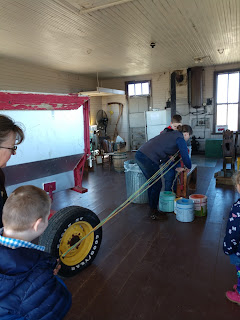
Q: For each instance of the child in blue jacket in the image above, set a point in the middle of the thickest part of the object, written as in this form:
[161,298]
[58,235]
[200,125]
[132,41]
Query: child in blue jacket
[231,243]
[29,287]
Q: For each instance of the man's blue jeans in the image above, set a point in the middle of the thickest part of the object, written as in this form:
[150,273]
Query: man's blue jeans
[149,168]
[169,178]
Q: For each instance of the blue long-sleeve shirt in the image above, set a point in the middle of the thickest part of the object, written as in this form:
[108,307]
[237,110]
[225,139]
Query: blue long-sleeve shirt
[231,243]
[165,145]
[182,146]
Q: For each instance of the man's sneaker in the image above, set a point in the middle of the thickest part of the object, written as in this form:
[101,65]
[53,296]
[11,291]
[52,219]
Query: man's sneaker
[233,296]
[157,215]
[153,214]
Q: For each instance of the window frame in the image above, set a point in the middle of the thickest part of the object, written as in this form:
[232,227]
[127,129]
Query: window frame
[216,73]
[136,82]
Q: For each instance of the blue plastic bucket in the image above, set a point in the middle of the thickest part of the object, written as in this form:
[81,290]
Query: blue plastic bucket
[166,201]
[185,210]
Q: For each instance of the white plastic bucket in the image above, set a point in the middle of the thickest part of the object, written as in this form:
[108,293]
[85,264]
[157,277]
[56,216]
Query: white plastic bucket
[200,204]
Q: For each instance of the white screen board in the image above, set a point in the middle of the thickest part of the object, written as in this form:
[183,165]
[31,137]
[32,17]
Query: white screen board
[48,134]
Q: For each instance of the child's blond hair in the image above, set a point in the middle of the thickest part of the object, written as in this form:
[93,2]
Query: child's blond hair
[236,178]
[24,207]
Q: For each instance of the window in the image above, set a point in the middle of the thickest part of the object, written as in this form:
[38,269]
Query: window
[138,88]
[227,100]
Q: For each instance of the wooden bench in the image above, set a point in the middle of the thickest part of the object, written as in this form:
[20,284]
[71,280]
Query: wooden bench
[187,182]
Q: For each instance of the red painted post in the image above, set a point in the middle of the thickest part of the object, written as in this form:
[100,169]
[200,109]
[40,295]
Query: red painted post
[79,169]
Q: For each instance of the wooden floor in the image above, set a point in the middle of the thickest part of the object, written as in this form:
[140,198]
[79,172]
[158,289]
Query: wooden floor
[149,269]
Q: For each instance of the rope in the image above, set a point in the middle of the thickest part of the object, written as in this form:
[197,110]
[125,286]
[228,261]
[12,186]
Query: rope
[176,176]
[158,175]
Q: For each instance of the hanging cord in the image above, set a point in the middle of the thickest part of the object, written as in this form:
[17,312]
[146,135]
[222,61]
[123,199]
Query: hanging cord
[158,175]
[176,176]
[97,81]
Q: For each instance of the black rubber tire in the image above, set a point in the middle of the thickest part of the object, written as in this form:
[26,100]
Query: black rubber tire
[58,225]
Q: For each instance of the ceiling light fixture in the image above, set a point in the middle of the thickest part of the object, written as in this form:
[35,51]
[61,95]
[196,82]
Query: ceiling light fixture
[220,51]
[200,59]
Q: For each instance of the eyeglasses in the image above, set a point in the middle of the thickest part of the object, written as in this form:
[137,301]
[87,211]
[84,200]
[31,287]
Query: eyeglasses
[14,148]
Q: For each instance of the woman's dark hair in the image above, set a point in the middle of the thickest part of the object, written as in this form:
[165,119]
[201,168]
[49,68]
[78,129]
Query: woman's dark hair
[185,128]
[7,125]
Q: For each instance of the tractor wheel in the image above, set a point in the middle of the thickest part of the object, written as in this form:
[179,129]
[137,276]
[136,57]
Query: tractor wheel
[67,227]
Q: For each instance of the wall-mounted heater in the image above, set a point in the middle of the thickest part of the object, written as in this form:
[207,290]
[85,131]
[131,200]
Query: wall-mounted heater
[196,87]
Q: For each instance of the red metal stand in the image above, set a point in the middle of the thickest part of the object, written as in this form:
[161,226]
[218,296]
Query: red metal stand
[79,169]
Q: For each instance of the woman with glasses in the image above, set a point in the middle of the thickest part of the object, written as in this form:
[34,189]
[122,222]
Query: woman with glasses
[10,135]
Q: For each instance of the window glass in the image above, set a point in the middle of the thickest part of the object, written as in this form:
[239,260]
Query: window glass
[131,90]
[233,88]
[145,88]
[232,120]
[138,88]
[221,115]
[222,88]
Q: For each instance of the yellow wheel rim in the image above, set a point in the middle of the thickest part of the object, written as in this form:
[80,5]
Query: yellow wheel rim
[71,236]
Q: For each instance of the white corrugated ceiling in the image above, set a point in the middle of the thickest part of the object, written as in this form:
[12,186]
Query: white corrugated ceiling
[112,37]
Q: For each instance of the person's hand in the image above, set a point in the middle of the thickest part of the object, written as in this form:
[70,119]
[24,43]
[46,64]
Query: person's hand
[57,268]
[180,169]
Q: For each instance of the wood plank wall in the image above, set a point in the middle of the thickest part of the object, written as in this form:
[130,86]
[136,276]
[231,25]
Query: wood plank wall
[17,75]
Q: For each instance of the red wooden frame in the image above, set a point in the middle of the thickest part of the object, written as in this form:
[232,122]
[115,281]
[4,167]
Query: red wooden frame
[79,169]
[11,100]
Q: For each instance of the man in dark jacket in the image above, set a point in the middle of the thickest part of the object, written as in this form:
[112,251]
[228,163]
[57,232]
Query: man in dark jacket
[159,150]
[29,287]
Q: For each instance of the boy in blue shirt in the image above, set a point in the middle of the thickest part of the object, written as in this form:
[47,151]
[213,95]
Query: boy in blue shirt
[176,121]
[29,286]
